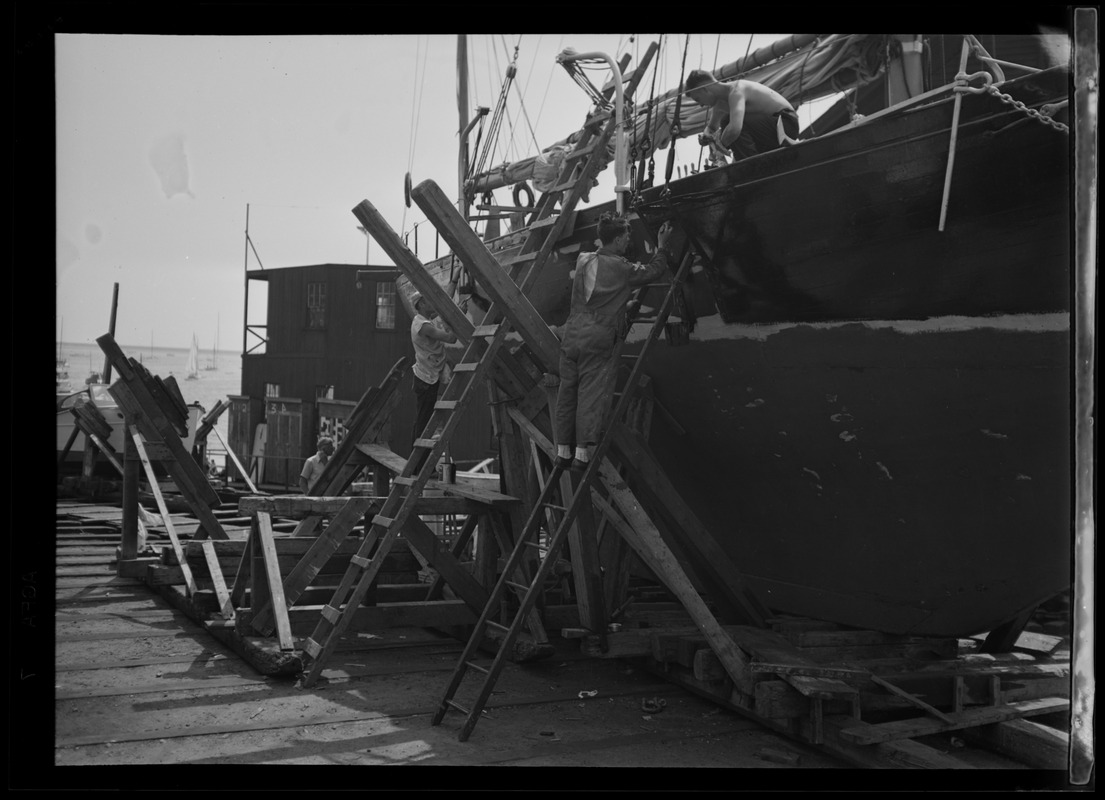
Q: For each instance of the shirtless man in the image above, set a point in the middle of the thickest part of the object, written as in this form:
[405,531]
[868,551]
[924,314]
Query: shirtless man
[743,116]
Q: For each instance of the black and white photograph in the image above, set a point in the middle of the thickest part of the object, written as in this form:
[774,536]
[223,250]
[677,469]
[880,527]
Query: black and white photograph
[646,405]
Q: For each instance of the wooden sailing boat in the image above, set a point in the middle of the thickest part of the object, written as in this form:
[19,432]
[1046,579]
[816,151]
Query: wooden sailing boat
[191,368]
[213,364]
[867,407]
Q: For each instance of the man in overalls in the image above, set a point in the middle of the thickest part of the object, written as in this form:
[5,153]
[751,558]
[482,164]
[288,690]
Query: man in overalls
[596,323]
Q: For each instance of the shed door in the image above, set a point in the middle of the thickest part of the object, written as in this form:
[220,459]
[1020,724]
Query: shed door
[239,433]
[283,459]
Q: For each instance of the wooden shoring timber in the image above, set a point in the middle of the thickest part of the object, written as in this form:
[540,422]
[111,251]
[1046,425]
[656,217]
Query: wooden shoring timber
[189,579]
[143,405]
[226,607]
[90,419]
[460,543]
[643,537]
[495,282]
[207,424]
[265,578]
[507,372]
[336,538]
[237,464]
[924,726]
[104,447]
[315,558]
[364,425]
[712,562]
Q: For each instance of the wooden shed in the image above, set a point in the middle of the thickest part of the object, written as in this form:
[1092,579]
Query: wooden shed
[316,338]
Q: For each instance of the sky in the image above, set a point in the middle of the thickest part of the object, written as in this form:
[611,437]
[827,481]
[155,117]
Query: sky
[163,141]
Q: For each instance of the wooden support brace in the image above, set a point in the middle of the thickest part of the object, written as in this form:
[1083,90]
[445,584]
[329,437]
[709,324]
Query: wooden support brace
[316,556]
[273,580]
[508,298]
[226,607]
[243,576]
[917,701]
[106,449]
[237,464]
[923,726]
[189,580]
[646,541]
[817,721]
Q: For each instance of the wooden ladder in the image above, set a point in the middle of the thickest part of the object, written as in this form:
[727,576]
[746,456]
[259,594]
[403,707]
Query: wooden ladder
[528,542]
[404,494]
[574,178]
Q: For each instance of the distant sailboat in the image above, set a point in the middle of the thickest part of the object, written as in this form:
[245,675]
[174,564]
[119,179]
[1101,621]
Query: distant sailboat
[192,369]
[213,364]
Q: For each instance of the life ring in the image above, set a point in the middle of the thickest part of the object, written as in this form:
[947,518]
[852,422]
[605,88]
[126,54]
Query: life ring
[407,189]
[518,189]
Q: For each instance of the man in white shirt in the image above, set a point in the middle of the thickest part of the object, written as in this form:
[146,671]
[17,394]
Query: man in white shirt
[314,466]
[429,335]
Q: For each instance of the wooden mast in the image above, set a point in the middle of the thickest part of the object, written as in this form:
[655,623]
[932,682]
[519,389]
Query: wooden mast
[462,113]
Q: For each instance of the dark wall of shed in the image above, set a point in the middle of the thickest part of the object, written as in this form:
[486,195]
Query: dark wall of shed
[349,352]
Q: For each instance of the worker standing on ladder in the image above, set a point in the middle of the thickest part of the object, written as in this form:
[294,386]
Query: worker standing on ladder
[429,335]
[596,323]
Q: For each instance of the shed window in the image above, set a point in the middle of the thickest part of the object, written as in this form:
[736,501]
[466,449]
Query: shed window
[316,305]
[385,306]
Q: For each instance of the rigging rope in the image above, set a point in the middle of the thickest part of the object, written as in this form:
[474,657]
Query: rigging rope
[675,126]
[416,112]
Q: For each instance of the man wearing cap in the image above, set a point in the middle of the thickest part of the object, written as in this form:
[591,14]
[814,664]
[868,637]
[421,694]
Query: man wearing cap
[596,322]
[314,466]
[429,335]
[744,116]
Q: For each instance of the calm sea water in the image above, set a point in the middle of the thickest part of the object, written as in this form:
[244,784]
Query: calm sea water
[220,376]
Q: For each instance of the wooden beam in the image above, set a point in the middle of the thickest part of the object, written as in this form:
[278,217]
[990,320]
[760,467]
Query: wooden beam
[132,466]
[181,467]
[364,425]
[317,555]
[1026,742]
[272,575]
[497,284]
[136,437]
[237,464]
[420,614]
[153,422]
[424,541]
[643,466]
[912,699]
[226,607]
[969,718]
[643,537]
[413,269]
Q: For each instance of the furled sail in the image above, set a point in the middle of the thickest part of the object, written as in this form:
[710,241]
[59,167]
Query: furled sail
[800,67]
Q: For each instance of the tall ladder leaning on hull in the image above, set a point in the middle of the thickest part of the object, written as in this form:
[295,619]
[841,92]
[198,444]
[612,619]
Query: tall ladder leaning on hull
[529,540]
[473,368]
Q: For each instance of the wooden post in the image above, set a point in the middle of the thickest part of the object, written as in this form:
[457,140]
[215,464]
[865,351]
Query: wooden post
[88,462]
[132,467]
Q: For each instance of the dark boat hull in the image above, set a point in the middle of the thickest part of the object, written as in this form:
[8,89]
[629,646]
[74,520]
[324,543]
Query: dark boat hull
[872,415]
[912,479]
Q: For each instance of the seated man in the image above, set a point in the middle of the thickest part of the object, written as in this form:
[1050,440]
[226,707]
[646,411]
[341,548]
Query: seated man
[744,116]
[313,467]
